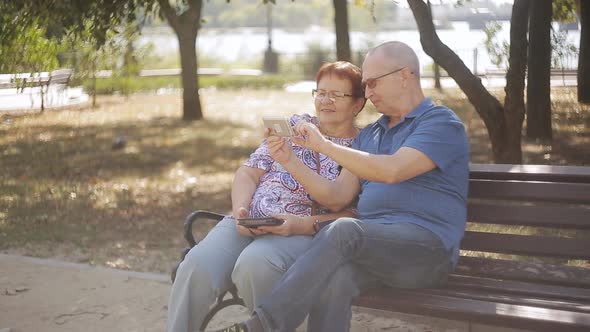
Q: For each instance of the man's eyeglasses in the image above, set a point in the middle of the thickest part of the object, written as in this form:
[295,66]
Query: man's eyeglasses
[331,95]
[372,82]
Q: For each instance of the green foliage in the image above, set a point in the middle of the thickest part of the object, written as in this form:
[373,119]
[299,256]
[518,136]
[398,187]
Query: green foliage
[564,10]
[29,51]
[114,85]
[58,19]
[562,49]
[498,51]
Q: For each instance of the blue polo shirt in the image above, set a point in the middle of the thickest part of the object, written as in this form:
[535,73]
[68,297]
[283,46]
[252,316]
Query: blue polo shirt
[435,200]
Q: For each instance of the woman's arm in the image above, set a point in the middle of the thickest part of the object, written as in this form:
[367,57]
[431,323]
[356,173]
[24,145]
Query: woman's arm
[335,195]
[295,225]
[245,182]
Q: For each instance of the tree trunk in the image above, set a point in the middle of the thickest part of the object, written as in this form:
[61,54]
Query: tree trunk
[486,105]
[190,84]
[435,66]
[514,109]
[186,25]
[584,66]
[341,27]
[538,106]
[437,77]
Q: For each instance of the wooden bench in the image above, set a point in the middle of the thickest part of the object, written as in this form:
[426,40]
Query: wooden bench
[525,259]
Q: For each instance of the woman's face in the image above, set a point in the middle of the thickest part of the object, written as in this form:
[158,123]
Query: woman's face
[334,103]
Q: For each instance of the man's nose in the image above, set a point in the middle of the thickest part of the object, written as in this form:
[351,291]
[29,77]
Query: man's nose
[368,92]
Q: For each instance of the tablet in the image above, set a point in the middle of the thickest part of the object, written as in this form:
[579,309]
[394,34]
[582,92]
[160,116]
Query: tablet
[279,124]
[255,222]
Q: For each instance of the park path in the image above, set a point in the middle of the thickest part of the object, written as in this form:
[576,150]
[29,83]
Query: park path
[49,295]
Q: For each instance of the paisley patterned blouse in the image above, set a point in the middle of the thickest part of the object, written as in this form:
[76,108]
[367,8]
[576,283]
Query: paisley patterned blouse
[278,192]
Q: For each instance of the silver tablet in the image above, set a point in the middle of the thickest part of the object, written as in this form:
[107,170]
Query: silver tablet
[279,124]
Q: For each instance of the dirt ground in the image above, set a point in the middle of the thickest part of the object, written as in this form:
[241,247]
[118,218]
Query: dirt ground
[50,295]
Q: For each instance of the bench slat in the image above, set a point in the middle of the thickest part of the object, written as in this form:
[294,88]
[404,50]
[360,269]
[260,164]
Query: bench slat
[509,298]
[529,215]
[536,191]
[499,314]
[517,287]
[526,245]
[548,173]
[570,276]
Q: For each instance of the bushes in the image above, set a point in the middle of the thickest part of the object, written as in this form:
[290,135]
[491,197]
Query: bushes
[130,85]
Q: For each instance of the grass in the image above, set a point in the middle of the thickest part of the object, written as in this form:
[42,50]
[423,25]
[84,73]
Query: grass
[65,193]
[147,84]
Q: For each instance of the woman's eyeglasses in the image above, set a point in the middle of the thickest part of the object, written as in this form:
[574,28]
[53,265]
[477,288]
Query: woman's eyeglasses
[372,82]
[331,95]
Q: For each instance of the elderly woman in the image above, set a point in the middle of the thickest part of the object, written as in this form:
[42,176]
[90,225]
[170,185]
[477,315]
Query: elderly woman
[254,259]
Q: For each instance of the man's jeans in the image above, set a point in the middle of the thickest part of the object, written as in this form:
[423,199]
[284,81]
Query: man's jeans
[345,258]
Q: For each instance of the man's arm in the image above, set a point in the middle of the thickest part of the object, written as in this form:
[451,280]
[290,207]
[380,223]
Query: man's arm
[405,164]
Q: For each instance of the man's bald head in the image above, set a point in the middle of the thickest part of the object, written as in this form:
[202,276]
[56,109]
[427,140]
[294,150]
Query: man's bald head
[398,54]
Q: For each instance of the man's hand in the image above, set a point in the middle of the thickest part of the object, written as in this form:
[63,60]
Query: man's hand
[242,212]
[310,136]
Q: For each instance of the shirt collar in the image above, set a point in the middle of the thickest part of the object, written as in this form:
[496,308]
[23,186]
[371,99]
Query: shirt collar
[425,105]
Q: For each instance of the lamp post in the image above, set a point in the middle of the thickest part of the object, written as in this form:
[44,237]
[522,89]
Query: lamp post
[271,58]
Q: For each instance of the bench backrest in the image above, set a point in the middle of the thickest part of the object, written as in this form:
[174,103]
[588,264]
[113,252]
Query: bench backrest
[529,223]
[60,76]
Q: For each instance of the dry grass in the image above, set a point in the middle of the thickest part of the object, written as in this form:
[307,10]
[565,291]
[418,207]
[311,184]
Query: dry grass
[65,193]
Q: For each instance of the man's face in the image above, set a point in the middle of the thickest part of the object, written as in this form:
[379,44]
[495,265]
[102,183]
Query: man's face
[382,82]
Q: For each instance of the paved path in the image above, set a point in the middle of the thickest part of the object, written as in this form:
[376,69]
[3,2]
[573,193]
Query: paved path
[30,98]
[49,295]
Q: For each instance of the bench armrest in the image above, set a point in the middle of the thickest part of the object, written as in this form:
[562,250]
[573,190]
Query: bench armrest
[199,214]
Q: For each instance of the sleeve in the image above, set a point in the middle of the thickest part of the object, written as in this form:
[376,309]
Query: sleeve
[441,136]
[260,158]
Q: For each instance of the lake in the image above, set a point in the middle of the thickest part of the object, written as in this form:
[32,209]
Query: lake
[250,43]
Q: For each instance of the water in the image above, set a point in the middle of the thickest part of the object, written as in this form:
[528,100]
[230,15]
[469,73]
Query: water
[248,43]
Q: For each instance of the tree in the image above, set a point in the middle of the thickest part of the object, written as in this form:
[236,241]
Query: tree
[538,108]
[341,27]
[583,65]
[185,20]
[435,66]
[504,123]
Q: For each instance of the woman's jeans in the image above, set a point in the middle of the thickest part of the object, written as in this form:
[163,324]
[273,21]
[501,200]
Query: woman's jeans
[345,258]
[224,257]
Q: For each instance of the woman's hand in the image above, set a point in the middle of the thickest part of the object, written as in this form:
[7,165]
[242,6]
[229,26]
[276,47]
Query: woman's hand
[279,148]
[293,225]
[243,213]
[309,136]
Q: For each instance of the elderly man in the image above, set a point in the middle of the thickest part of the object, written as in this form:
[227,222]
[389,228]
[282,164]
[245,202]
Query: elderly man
[409,170]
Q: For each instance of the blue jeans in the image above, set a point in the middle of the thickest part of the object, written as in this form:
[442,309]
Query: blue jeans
[345,258]
[222,258]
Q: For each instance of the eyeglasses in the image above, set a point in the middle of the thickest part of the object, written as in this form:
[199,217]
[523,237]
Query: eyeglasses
[331,95]
[372,82]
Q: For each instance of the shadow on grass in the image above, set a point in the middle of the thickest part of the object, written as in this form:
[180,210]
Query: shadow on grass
[62,152]
[65,184]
